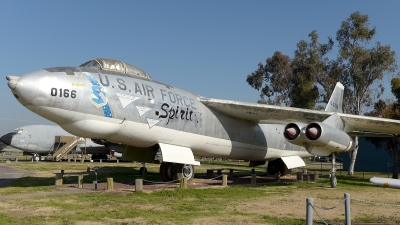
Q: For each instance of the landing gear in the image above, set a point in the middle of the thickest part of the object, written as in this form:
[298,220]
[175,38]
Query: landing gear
[176,171]
[36,158]
[143,169]
[184,170]
[278,166]
[332,176]
[167,171]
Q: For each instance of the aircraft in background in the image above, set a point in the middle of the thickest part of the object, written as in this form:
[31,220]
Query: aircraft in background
[39,140]
[119,103]
[7,148]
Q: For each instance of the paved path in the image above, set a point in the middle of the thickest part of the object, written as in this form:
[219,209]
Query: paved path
[8,175]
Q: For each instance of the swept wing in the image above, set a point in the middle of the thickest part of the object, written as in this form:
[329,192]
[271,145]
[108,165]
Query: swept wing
[261,113]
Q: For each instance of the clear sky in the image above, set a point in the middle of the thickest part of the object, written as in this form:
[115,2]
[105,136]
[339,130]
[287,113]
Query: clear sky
[206,47]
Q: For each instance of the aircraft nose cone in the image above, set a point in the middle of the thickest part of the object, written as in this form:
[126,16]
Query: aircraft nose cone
[291,132]
[6,139]
[12,82]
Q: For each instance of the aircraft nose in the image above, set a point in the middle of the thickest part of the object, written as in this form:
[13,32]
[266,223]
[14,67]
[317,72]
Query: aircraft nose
[6,139]
[12,81]
[25,88]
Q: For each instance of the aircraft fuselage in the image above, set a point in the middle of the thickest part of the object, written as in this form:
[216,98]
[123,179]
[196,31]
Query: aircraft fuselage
[142,112]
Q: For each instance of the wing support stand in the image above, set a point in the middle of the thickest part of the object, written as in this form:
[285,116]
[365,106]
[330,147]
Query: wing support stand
[332,176]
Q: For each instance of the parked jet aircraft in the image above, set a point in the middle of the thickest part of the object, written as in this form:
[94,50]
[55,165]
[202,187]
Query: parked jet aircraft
[115,101]
[7,148]
[38,140]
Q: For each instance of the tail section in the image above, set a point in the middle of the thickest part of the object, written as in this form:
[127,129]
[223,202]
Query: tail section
[336,101]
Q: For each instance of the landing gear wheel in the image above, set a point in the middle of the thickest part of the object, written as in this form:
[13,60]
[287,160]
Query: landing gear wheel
[36,158]
[167,171]
[287,171]
[278,166]
[333,181]
[184,170]
[272,167]
[142,170]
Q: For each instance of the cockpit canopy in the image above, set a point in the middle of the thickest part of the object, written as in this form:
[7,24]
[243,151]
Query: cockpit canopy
[115,65]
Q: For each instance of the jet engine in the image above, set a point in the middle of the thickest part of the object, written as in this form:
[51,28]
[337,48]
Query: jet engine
[319,138]
[292,133]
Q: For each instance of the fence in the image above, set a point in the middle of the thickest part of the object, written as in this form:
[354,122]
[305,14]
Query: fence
[311,207]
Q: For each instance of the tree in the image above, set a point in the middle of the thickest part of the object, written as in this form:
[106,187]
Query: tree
[308,65]
[293,82]
[363,68]
[275,76]
[390,110]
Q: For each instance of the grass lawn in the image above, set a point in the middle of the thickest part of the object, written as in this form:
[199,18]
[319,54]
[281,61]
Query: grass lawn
[274,203]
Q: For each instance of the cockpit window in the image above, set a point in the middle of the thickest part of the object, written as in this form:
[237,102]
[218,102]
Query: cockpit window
[91,64]
[18,131]
[115,65]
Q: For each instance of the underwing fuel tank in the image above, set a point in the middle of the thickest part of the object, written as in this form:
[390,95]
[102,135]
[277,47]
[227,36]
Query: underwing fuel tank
[319,138]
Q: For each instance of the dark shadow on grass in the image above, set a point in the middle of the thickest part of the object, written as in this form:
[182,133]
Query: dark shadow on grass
[226,164]
[119,174]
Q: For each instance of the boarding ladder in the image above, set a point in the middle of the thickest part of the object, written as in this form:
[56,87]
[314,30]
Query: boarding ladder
[70,143]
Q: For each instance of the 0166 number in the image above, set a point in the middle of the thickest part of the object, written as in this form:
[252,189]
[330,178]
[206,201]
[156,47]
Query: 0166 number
[63,93]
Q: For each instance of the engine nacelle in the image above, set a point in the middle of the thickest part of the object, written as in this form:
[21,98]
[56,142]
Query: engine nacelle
[293,131]
[324,139]
[115,154]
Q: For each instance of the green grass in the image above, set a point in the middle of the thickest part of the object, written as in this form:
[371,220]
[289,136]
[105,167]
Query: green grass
[176,206]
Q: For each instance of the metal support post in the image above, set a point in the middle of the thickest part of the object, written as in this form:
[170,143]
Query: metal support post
[309,211]
[347,208]
[95,182]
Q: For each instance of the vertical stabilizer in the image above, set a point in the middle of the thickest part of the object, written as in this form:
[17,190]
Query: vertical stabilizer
[336,101]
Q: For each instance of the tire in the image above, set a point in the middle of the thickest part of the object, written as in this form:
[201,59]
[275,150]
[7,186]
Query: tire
[167,171]
[272,167]
[36,157]
[142,170]
[184,170]
[276,166]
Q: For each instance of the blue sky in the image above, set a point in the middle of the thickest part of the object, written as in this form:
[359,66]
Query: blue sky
[206,47]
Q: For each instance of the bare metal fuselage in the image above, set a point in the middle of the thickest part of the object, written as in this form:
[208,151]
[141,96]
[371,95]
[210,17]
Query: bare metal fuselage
[140,112]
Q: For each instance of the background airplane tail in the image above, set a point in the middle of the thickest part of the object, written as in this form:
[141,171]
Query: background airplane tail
[336,101]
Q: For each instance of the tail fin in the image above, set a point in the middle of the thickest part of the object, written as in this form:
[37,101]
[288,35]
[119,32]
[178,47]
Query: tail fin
[336,101]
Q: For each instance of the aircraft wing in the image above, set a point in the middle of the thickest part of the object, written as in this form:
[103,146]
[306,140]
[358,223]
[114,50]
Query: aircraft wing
[366,124]
[261,113]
